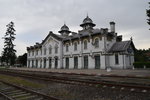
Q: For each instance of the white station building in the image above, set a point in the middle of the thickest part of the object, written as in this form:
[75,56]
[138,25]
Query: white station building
[90,48]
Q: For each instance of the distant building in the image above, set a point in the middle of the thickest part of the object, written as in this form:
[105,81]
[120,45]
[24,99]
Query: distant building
[90,48]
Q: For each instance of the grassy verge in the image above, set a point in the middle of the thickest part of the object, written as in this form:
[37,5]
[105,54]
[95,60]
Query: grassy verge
[21,82]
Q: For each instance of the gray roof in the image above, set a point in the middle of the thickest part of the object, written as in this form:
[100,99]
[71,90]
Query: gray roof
[121,46]
[83,33]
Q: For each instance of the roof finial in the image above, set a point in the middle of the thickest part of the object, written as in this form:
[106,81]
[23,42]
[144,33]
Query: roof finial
[87,15]
[64,23]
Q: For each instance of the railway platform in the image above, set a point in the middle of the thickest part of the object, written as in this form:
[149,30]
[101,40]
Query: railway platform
[118,72]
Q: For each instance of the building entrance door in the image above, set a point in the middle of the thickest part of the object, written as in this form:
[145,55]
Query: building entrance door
[97,61]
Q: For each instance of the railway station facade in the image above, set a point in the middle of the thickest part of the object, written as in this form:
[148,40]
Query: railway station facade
[89,48]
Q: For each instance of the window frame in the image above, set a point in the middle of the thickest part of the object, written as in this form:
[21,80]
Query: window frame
[96,43]
[116,59]
[56,49]
[67,47]
[75,46]
[50,49]
[85,44]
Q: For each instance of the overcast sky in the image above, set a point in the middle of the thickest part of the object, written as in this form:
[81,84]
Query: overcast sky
[35,18]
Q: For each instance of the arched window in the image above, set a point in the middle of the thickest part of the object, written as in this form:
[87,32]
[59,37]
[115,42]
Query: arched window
[67,47]
[75,46]
[50,49]
[56,48]
[85,44]
[41,51]
[32,53]
[96,43]
[44,51]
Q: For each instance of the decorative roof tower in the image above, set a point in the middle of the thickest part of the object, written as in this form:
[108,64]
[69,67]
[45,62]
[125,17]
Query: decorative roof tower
[64,31]
[87,23]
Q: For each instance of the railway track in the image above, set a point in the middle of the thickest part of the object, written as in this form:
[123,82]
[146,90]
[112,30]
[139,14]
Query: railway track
[13,92]
[78,81]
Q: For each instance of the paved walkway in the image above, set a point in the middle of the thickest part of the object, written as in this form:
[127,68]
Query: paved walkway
[130,72]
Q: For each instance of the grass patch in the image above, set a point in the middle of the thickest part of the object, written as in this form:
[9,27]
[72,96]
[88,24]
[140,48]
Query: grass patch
[21,82]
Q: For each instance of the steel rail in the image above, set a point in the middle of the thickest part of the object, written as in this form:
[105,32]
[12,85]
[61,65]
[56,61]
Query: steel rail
[27,90]
[66,80]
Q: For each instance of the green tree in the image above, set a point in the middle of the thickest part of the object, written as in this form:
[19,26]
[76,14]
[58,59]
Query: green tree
[148,14]
[9,53]
[22,59]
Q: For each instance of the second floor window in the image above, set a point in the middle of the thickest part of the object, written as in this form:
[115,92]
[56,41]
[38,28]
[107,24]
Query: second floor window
[32,53]
[67,48]
[50,50]
[85,44]
[96,43]
[36,52]
[75,46]
[44,51]
[56,48]
[41,51]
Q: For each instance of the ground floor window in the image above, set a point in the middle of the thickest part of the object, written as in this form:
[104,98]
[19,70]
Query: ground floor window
[75,62]
[36,64]
[129,60]
[85,62]
[32,63]
[97,61]
[44,62]
[41,64]
[116,59]
[56,62]
[50,62]
[28,63]
[67,63]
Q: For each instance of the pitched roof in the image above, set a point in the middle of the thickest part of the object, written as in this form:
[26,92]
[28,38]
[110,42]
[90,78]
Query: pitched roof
[58,37]
[121,46]
[83,33]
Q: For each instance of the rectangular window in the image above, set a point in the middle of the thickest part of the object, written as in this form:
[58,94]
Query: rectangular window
[45,51]
[56,62]
[67,48]
[50,62]
[50,50]
[85,62]
[44,62]
[41,64]
[41,51]
[32,53]
[56,49]
[75,46]
[36,64]
[116,59]
[29,63]
[36,52]
[32,63]
[75,62]
[67,63]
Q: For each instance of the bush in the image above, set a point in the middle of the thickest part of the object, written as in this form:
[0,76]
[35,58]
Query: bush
[141,64]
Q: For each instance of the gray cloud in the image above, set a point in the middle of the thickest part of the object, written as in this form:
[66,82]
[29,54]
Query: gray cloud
[35,18]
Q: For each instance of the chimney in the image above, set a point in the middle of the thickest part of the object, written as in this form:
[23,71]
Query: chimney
[112,27]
